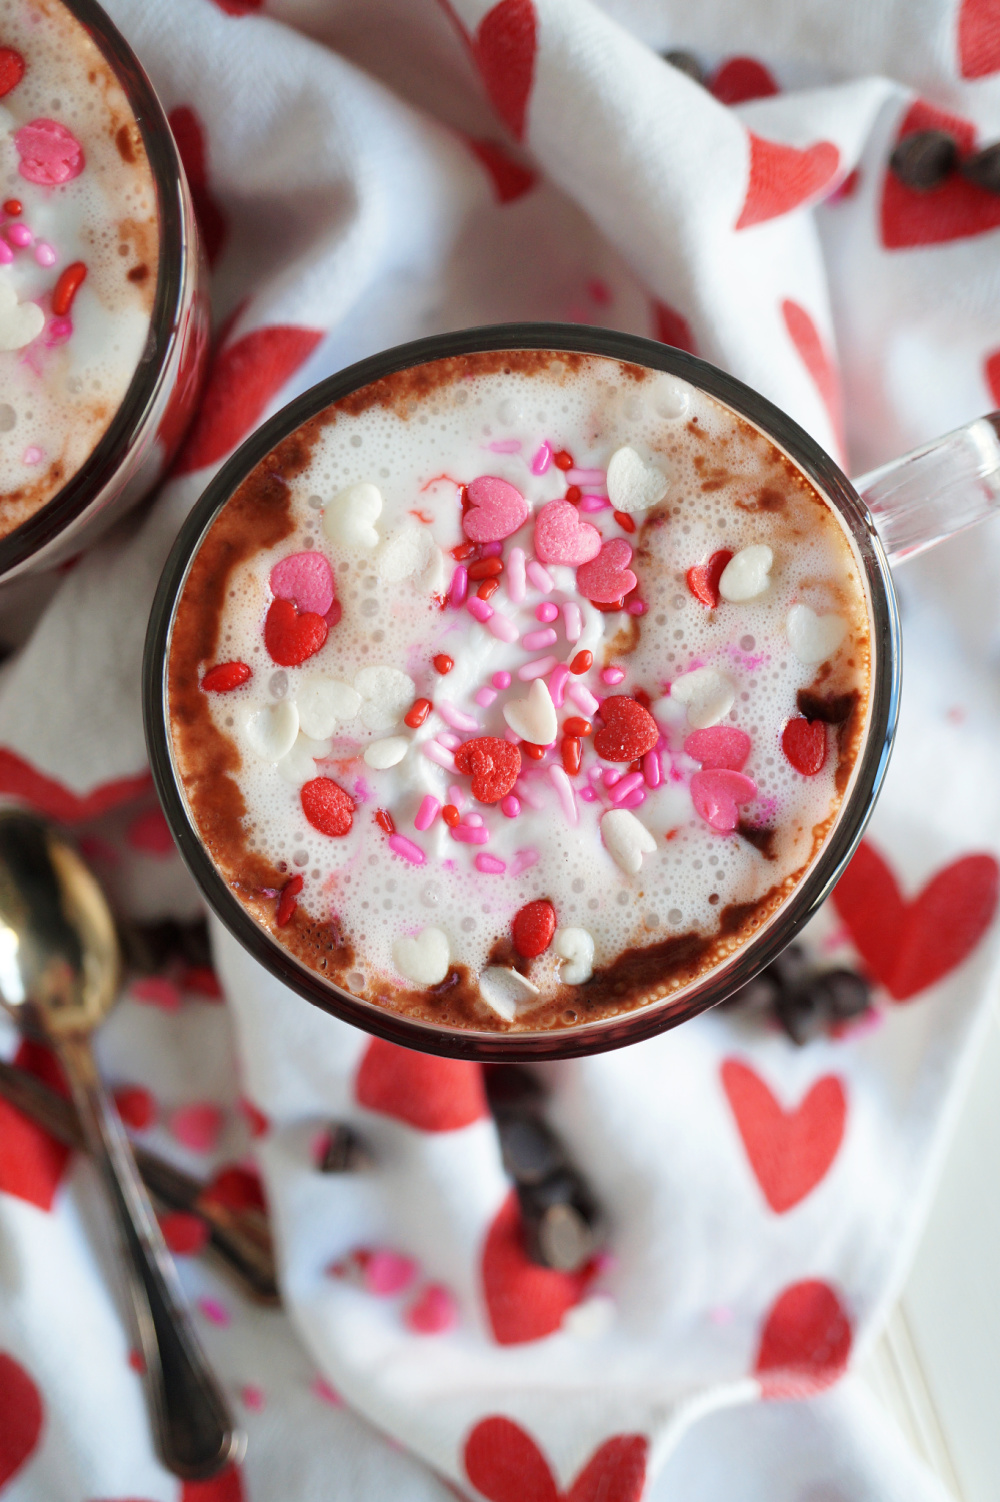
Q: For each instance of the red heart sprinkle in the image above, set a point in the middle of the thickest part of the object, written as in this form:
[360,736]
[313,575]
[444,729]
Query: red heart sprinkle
[719,746]
[327,807]
[607,578]
[629,731]
[533,928]
[225,676]
[11,70]
[804,744]
[703,579]
[493,764]
[290,637]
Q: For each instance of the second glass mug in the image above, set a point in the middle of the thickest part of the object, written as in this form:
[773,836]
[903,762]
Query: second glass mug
[893,513]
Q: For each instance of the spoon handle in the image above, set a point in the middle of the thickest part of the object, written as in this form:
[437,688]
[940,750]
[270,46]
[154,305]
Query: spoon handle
[194,1430]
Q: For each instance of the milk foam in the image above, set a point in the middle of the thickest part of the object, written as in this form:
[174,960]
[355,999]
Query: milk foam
[494,424]
[59,393]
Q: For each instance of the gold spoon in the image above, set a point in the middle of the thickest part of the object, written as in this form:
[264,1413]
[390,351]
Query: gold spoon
[59,971]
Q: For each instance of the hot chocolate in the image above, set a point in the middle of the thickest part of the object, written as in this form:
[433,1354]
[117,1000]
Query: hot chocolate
[519,689]
[79,251]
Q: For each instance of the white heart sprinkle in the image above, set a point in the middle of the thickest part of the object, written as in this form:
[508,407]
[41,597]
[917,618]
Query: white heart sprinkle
[299,765]
[591,1319]
[408,551]
[707,694]
[272,731]
[324,703]
[349,519]
[747,574]
[424,959]
[386,693]
[19,322]
[576,947]
[634,485]
[813,638]
[381,755]
[534,718]
[504,990]
[626,839]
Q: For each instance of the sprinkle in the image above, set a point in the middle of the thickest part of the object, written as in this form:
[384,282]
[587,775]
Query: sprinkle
[576,726]
[546,612]
[501,680]
[32,454]
[485,568]
[287,903]
[484,697]
[490,549]
[479,609]
[636,608]
[595,503]
[610,776]
[474,821]
[562,459]
[624,521]
[573,617]
[651,769]
[523,859]
[426,813]
[588,795]
[533,641]
[462,551]
[512,736]
[214,1311]
[406,848]
[510,806]
[459,587]
[539,576]
[44,254]
[13,206]
[585,476]
[68,285]
[542,460]
[626,785]
[487,589]
[490,864]
[443,663]
[502,627]
[456,796]
[612,675]
[527,795]
[439,754]
[320,1388]
[456,717]
[451,815]
[6,254]
[467,834]
[536,753]
[418,714]
[564,788]
[633,799]
[582,663]
[583,698]
[537,668]
[505,446]
[570,751]
[573,494]
[449,739]
[515,575]
[20,235]
[557,684]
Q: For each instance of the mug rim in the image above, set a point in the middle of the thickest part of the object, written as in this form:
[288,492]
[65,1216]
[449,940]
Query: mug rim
[98,470]
[756,952]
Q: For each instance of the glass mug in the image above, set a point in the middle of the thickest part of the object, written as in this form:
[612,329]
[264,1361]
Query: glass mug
[159,402]
[895,512]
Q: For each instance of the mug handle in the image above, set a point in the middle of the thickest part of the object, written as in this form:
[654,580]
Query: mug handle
[933,492]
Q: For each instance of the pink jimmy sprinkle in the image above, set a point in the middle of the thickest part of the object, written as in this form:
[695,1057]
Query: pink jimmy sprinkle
[524,859]
[484,697]
[457,797]
[546,612]
[527,795]
[594,503]
[492,865]
[542,459]
[6,254]
[612,675]
[19,235]
[501,680]
[448,738]
[474,821]
[651,769]
[534,641]
[426,813]
[490,549]
[636,608]
[512,736]
[469,836]
[407,849]
[457,718]
[540,577]
[537,669]
[479,609]
[626,785]
[564,788]
[45,254]
[510,806]
[585,476]
[610,776]
[514,576]
[458,589]
[583,698]
[439,754]
[502,627]
[557,684]
[633,799]
[505,446]
[573,616]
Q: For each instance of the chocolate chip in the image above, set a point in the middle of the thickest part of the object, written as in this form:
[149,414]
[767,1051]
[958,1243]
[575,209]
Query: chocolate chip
[803,1013]
[983,168]
[845,993]
[147,947]
[758,995]
[924,159]
[563,1239]
[686,62]
[344,1151]
[530,1152]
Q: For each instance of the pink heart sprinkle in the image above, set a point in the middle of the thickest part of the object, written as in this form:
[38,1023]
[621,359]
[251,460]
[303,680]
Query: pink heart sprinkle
[497,510]
[716,795]
[306,579]
[719,746]
[197,1126]
[156,991]
[49,153]
[433,1311]
[388,1272]
[607,577]
[561,537]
